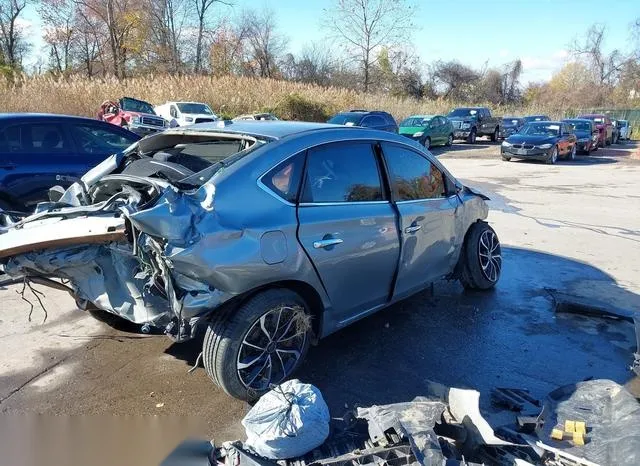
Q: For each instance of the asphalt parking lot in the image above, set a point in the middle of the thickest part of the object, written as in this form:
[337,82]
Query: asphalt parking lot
[574,226]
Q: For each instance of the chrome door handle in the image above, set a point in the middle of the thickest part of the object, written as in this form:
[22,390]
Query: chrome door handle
[412,229]
[325,243]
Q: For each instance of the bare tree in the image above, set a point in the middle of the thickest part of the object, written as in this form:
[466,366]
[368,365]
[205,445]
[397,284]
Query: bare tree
[58,18]
[167,19]
[121,19]
[227,51]
[90,43]
[314,65]
[12,41]
[456,79]
[203,9]
[364,26]
[265,45]
[606,67]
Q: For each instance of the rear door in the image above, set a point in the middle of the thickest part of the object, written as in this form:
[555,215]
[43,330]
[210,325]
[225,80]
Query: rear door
[35,153]
[427,205]
[348,227]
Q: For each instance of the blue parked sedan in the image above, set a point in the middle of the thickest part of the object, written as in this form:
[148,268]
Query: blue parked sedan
[35,148]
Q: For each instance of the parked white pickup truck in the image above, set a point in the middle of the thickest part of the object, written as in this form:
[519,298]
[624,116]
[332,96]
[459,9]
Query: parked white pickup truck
[185,113]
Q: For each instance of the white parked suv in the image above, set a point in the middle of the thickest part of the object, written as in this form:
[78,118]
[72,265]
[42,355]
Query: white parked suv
[625,129]
[185,113]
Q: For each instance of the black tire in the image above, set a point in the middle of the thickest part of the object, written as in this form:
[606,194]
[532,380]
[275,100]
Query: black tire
[471,139]
[595,147]
[506,158]
[427,143]
[495,135]
[473,274]
[449,141]
[607,142]
[223,342]
[553,158]
[572,153]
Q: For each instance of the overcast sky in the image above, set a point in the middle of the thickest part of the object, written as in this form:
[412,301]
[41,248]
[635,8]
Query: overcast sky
[473,32]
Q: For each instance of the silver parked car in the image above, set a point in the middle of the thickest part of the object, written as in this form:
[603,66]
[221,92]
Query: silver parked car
[271,234]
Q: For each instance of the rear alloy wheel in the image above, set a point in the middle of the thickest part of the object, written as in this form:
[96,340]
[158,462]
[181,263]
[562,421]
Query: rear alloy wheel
[553,158]
[572,154]
[495,135]
[450,140]
[481,258]
[427,143]
[260,343]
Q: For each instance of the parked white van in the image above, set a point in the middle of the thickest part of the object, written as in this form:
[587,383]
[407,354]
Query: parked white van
[185,113]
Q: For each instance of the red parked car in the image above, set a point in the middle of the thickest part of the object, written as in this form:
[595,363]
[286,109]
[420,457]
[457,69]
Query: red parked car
[135,115]
[604,126]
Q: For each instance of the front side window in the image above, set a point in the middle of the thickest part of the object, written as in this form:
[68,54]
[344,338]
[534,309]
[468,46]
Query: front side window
[342,172]
[97,140]
[413,176]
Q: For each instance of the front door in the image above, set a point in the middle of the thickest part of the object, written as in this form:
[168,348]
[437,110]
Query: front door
[427,218]
[348,227]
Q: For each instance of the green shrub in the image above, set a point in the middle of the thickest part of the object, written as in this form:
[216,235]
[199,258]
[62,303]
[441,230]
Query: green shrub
[296,107]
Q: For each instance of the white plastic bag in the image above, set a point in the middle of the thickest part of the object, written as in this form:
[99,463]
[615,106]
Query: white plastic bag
[288,421]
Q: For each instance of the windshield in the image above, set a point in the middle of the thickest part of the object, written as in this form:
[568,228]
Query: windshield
[510,122]
[622,123]
[536,118]
[580,125]
[133,105]
[346,119]
[416,121]
[541,129]
[194,108]
[463,112]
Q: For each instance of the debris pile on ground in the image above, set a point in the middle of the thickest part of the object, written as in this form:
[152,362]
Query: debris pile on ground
[591,423]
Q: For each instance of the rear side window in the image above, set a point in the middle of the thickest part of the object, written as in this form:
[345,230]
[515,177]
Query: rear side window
[36,138]
[342,172]
[413,176]
[284,179]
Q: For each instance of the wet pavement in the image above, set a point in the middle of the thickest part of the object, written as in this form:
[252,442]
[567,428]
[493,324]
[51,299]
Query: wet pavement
[563,227]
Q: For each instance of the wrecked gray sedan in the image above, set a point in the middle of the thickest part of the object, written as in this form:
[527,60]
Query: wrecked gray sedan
[271,234]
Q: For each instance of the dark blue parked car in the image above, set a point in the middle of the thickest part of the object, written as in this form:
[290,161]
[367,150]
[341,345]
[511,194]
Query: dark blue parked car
[35,148]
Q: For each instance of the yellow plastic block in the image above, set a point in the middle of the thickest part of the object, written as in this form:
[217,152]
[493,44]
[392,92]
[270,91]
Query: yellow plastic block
[570,426]
[578,438]
[557,434]
[581,427]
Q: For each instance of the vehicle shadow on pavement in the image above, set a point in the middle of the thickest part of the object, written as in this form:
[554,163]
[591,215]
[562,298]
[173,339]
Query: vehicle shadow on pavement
[508,337]
[461,147]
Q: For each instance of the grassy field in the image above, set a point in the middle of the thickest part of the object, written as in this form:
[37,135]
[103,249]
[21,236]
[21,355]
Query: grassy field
[228,96]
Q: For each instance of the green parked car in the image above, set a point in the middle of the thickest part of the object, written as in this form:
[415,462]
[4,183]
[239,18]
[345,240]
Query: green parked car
[429,130]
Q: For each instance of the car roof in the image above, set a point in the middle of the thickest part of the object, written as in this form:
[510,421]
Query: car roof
[594,115]
[39,116]
[511,118]
[585,120]
[422,116]
[272,129]
[363,112]
[545,122]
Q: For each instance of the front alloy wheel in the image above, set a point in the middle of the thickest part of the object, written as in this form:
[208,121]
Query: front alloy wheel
[427,143]
[572,154]
[480,263]
[553,158]
[450,140]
